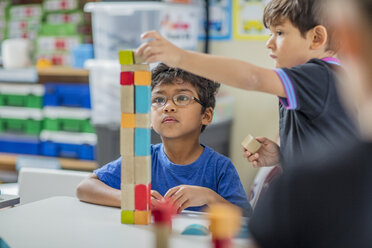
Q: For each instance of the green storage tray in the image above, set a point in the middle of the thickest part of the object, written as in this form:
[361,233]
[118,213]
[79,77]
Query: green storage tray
[24,126]
[29,101]
[70,125]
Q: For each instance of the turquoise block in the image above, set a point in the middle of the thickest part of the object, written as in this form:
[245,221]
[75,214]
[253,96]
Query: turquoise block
[196,229]
[143,99]
[142,141]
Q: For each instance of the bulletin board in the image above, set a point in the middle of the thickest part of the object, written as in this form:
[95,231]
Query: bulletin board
[247,20]
[219,20]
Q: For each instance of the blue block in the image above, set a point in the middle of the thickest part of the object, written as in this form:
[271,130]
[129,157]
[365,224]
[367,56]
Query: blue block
[196,229]
[142,140]
[3,244]
[143,99]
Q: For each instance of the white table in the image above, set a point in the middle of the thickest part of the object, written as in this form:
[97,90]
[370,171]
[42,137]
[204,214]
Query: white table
[67,222]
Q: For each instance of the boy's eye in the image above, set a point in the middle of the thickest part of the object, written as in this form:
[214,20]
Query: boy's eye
[182,99]
[279,33]
[158,100]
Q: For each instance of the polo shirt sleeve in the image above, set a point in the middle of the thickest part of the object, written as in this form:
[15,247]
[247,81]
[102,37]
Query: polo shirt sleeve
[110,173]
[306,87]
[231,189]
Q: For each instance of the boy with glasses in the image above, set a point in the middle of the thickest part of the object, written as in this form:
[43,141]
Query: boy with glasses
[191,175]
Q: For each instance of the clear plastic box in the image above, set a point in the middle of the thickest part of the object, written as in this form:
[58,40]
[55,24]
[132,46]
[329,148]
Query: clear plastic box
[119,25]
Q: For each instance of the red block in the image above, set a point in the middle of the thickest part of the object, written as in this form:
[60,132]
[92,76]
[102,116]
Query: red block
[141,197]
[149,195]
[127,78]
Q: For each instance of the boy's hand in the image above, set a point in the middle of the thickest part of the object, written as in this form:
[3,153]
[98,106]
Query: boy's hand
[185,196]
[155,197]
[267,155]
[159,49]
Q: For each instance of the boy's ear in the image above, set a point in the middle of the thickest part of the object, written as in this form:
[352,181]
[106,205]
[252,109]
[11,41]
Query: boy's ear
[207,116]
[319,37]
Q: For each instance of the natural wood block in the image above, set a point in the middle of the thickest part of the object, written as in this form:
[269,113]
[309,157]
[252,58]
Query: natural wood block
[126,141]
[142,217]
[127,170]
[138,59]
[142,78]
[127,217]
[142,99]
[126,57]
[137,67]
[143,120]
[251,144]
[127,197]
[161,235]
[142,141]
[140,197]
[127,98]
[127,78]
[142,166]
[128,120]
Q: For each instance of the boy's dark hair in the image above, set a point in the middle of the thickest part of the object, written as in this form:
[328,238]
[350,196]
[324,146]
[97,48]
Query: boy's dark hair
[206,89]
[303,14]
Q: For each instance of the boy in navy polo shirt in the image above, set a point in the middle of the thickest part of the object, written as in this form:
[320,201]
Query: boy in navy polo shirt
[190,174]
[311,115]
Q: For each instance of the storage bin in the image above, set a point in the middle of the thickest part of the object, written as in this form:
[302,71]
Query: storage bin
[119,25]
[21,120]
[19,144]
[67,119]
[68,144]
[21,95]
[76,95]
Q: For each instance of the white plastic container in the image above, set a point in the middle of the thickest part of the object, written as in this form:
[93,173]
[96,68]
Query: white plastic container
[119,25]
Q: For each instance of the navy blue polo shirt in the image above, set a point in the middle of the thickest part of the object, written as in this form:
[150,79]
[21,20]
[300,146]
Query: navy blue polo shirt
[312,117]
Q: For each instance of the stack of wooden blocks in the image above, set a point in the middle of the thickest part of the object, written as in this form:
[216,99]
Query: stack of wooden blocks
[135,139]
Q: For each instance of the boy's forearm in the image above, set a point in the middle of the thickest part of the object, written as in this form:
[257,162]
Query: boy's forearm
[229,71]
[94,191]
[213,198]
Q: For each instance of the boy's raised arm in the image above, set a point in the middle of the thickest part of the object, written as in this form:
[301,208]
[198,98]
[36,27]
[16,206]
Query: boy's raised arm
[95,191]
[229,71]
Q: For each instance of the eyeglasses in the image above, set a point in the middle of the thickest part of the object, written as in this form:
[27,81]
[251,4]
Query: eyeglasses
[179,100]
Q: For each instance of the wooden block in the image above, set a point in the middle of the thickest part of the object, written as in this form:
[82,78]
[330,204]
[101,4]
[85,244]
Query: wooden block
[128,120]
[140,197]
[126,78]
[138,59]
[137,67]
[251,144]
[127,98]
[142,99]
[142,217]
[127,197]
[142,78]
[127,170]
[142,141]
[127,217]
[142,166]
[225,220]
[161,236]
[126,57]
[126,141]
[143,120]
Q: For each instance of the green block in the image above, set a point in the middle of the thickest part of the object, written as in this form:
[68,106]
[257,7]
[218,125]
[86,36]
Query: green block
[126,57]
[127,217]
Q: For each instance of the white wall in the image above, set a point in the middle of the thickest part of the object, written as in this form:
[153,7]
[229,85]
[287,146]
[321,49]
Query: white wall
[254,113]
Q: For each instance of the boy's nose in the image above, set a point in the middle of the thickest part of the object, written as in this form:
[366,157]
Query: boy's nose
[270,43]
[169,106]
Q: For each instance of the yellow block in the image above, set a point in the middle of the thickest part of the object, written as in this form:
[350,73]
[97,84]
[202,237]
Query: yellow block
[128,120]
[225,220]
[126,57]
[142,217]
[142,78]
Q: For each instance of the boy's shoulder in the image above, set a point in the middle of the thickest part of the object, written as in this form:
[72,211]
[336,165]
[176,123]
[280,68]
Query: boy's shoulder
[216,156]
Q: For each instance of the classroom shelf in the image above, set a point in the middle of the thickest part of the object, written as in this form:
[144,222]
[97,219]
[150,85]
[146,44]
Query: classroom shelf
[8,162]
[63,74]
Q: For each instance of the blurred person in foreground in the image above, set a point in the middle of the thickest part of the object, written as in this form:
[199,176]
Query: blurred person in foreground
[329,204]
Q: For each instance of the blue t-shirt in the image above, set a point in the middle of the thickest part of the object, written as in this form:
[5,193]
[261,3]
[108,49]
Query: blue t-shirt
[211,170]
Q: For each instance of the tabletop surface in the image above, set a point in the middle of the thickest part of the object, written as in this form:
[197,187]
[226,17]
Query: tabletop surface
[67,222]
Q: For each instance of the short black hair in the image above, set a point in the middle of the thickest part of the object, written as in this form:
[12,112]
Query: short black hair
[206,89]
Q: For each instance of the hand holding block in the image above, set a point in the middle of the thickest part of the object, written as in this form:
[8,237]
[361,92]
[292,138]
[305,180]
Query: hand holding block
[251,144]
[138,59]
